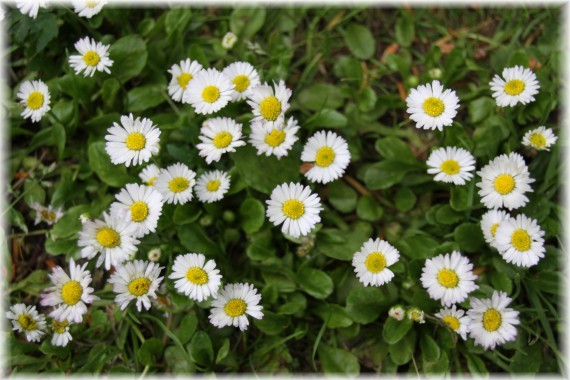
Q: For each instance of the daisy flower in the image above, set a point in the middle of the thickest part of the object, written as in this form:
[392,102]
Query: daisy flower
[34,96]
[295,207]
[211,186]
[269,104]
[233,303]
[27,319]
[272,140]
[93,56]
[504,181]
[134,140]
[48,214]
[372,261]
[229,40]
[182,74]
[492,322]
[175,183]
[455,319]
[30,7]
[112,237]
[416,315]
[451,164]
[330,154]
[519,240]
[154,254]
[195,277]
[431,107]
[61,336]
[519,86]
[397,312]
[448,278]
[244,77]
[136,280]
[209,91]
[149,174]
[540,138]
[141,205]
[88,8]
[490,221]
[219,135]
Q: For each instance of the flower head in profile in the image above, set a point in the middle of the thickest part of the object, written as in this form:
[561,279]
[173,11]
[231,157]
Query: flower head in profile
[136,280]
[219,135]
[149,174]
[233,304]
[272,140]
[49,215]
[520,241]
[195,277]
[88,8]
[451,164]
[182,75]
[93,56]
[175,183]
[26,319]
[541,138]
[61,335]
[455,319]
[212,186]
[269,104]
[35,98]
[229,40]
[490,222]
[31,7]
[141,205]
[244,77]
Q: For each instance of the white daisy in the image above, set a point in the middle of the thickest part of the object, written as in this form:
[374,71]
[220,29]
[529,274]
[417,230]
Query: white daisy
[149,174]
[244,77]
[448,278]
[134,140]
[397,312]
[154,254]
[372,261]
[233,303]
[330,154]
[451,164]
[112,237]
[30,7]
[519,86]
[208,92]
[182,75]
[211,186]
[504,181]
[492,322]
[219,135]
[269,105]
[519,240]
[540,138]
[175,183]
[49,214]
[35,97]
[61,335]
[490,221]
[295,207]
[274,141]
[141,205]
[136,280]
[88,8]
[416,315]
[93,56]
[27,319]
[195,277]
[455,319]
[229,40]
[431,107]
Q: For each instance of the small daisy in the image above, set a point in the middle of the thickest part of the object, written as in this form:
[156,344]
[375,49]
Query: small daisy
[519,86]
[372,261]
[540,138]
[504,181]
[30,7]
[154,254]
[35,97]
[112,237]
[182,75]
[93,56]
[209,91]
[149,174]
[195,277]
[295,207]
[274,141]
[135,140]
[269,104]
[451,164]
[448,278]
[211,186]
[519,240]
[397,312]
[455,319]
[244,77]
[229,40]
[48,214]
[492,322]
[431,107]
[26,319]
[219,135]
[136,280]
[416,315]
[141,205]
[330,154]
[490,221]
[61,336]
[233,303]
[175,183]
[88,8]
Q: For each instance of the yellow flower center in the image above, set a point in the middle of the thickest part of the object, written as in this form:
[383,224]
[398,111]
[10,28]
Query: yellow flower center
[241,82]
[91,4]
[325,156]
[270,108]
[91,58]
[178,184]
[450,167]
[213,185]
[27,322]
[183,80]
[433,106]
[136,141]
[235,307]
[222,140]
[197,276]
[514,87]
[375,262]
[150,181]
[494,229]
[520,239]
[451,322]
[35,100]
[448,278]
[492,320]
[537,140]
[210,94]
[71,292]
[293,209]
[47,215]
[504,184]
[139,286]
[139,211]
[59,326]
[275,138]
[108,237]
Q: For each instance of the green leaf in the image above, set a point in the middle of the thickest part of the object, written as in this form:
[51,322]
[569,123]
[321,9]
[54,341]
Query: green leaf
[476,365]
[336,315]
[394,330]
[326,118]
[402,352]
[315,282]
[405,30]
[185,214]
[368,209]
[460,198]
[252,215]
[502,282]
[271,323]
[110,91]
[32,283]
[61,352]
[341,245]
[418,246]
[150,351]
[364,304]
[223,351]
[360,41]
[405,199]
[319,96]
[187,328]
[338,361]
[430,349]
[177,19]
[446,215]
[296,302]
[58,133]
[201,350]
[261,246]
[112,175]
[469,237]
[34,192]
[342,196]
[386,174]
[177,361]
[245,22]
[142,98]
[193,238]
[69,224]
[129,57]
